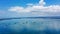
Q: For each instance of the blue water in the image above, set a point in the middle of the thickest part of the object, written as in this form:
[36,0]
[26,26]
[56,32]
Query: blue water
[30,26]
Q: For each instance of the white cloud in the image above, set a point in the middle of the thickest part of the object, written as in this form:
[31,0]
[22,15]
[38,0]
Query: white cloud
[42,2]
[37,8]
[18,9]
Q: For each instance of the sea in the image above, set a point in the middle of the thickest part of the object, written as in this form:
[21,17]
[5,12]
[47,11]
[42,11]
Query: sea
[30,26]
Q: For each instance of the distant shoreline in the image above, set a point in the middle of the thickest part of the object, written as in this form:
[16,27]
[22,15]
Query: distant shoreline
[29,18]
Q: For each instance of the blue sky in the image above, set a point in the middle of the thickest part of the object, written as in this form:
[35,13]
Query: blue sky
[7,4]
[4,4]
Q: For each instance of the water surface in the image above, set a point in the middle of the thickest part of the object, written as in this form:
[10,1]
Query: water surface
[30,26]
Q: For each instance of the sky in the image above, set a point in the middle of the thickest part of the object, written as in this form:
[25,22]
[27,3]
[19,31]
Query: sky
[29,8]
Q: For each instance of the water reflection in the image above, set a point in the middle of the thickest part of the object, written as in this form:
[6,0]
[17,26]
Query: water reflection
[40,26]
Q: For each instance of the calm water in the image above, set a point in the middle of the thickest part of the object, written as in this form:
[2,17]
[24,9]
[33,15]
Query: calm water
[30,26]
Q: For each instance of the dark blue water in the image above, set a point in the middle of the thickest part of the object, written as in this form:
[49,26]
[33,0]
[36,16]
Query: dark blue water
[30,26]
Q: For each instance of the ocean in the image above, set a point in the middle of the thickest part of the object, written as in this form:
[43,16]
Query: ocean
[30,26]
